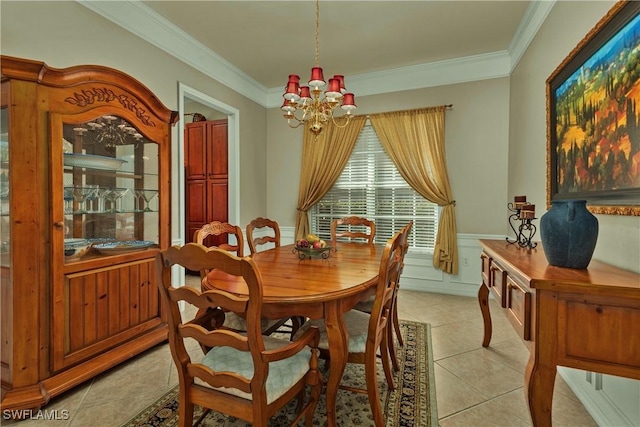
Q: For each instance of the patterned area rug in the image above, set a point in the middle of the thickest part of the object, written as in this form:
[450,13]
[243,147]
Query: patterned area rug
[412,403]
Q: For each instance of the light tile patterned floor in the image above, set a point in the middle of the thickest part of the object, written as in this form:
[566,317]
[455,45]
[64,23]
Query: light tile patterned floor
[475,386]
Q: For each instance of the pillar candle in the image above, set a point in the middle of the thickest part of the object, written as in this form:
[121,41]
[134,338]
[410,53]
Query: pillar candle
[528,212]
[519,201]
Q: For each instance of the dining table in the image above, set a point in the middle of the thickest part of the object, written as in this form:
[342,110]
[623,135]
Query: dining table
[295,284]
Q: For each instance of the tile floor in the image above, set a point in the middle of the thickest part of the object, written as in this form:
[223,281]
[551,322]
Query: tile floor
[475,386]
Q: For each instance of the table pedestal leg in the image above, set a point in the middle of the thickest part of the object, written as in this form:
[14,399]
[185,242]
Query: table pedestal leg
[338,353]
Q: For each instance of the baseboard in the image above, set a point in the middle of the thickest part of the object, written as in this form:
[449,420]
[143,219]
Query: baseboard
[600,406]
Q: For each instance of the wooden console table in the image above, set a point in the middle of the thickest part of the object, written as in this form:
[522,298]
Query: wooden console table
[586,319]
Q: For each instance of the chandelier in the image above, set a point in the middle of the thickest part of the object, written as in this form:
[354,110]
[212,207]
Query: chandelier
[109,131]
[305,104]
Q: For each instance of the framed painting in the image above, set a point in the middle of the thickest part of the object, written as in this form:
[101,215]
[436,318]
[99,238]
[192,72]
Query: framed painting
[593,117]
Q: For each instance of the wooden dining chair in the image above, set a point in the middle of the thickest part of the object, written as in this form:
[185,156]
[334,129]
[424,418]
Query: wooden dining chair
[249,376]
[353,227]
[226,230]
[395,321]
[394,325]
[368,332]
[256,243]
[221,229]
[262,225]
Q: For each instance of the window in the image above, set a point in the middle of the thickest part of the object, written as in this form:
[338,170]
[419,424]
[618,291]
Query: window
[370,186]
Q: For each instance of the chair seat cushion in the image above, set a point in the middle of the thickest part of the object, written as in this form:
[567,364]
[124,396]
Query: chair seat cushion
[365,306]
[357,327]
[233,321]
[283,374]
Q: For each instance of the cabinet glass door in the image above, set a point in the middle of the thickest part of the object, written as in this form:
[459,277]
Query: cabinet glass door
[110,188]
[5,219]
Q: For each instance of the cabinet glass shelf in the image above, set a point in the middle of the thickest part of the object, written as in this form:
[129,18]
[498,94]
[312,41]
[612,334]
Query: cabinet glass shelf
[110,181]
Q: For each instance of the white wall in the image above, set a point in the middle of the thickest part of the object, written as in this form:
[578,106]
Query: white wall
[476,134]
[619,236]
[612,401]
[65,33]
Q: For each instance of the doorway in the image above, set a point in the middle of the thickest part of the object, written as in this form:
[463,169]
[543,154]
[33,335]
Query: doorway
[190,99]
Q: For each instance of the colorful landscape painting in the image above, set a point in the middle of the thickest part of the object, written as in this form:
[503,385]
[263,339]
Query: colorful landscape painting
[597,126]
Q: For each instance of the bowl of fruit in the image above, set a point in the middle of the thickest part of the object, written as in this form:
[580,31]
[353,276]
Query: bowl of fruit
[312,246]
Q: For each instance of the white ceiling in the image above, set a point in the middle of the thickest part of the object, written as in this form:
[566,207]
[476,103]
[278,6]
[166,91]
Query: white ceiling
[254,45]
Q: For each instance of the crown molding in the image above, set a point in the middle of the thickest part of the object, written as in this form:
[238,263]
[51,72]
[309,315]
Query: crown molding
[531,22]
[460,70]
[142,21]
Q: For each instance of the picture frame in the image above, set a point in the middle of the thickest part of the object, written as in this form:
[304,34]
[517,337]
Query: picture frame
[593,117]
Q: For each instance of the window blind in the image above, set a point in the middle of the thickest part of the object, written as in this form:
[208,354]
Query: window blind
[370,186]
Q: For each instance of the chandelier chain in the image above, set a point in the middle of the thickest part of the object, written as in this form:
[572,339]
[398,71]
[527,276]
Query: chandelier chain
[317,33]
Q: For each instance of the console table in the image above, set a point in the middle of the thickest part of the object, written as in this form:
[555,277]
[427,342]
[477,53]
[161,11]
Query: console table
[586,319]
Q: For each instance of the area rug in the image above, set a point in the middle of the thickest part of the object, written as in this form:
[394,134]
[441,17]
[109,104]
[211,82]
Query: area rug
[411,404]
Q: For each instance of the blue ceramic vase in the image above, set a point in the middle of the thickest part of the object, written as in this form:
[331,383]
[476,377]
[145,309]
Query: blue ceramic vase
[569,233]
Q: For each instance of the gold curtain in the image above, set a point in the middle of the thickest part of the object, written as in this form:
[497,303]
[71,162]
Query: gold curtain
[323,159]
[414,140]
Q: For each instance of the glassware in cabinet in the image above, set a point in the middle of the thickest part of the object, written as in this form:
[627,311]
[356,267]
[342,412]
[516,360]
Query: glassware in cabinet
[110,188]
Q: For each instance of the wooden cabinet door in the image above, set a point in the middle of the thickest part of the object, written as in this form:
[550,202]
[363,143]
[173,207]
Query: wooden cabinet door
[218,149]
[217,203]
[195,150]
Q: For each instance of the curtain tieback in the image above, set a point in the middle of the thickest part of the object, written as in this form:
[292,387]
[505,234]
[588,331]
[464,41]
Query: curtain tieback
[453,202]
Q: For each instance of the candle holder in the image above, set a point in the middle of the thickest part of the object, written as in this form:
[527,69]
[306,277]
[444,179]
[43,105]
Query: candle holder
[522,213]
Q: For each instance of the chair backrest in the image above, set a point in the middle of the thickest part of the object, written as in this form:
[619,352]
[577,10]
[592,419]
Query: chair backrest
[206,328]
[356,228]
[262,223]
[388,274]
[404,242]
[218,228]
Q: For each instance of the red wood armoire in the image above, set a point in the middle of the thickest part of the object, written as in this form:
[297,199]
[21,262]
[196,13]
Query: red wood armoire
[206,175]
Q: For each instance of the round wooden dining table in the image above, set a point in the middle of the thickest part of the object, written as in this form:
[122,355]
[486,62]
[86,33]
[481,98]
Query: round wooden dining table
[316,288]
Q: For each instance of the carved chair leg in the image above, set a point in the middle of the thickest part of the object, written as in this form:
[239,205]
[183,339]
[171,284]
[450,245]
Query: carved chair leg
[391,346]
[396,324]
[296,323]
[371,374]
[385,355]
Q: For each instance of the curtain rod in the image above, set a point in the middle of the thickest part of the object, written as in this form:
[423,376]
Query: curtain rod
[446,107]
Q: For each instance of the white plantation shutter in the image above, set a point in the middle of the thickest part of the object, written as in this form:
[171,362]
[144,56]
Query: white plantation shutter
[370,186]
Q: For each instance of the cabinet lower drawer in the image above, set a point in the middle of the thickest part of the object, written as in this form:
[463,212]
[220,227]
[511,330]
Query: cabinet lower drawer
[499,283]
[519,308]
[598,329]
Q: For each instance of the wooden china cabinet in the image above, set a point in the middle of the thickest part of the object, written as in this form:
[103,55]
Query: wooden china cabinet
[84,209]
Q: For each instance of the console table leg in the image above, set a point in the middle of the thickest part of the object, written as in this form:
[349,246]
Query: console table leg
[483,300]
[539,383]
